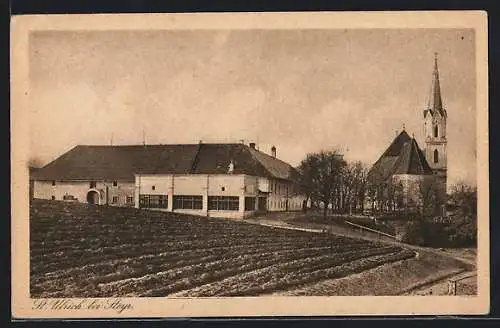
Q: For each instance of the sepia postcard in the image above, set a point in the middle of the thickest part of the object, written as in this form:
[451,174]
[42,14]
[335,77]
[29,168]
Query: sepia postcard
[249,164]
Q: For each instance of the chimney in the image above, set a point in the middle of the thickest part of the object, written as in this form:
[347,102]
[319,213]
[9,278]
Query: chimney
[252,145]
[273,151]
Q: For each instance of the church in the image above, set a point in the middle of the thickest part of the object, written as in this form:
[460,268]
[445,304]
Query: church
[408,168]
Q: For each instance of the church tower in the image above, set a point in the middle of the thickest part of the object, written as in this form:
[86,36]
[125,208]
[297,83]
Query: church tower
[435,129]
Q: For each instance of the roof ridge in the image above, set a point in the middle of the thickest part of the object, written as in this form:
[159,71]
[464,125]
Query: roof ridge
[269,156]
[418,155]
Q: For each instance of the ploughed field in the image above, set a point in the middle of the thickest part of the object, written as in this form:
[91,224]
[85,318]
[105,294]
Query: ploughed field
[76,251]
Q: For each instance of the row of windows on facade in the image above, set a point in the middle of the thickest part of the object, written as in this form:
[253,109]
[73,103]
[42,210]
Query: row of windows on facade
[278,204]
[114,199]
[196,202]
[191,202]
[92,184]
[277,187]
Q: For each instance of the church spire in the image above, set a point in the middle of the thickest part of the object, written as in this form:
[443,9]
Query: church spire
[435,104]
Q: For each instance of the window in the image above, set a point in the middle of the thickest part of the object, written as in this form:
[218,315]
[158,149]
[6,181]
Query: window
[223,203]
[53,182]
[68,197]
[249,203]
[153,201]
[92,184]
[435,131]
[436,156]
[223,188]
[188,202]
[115,200]
[115,183]
[53,197]
[130,199]
[153,187]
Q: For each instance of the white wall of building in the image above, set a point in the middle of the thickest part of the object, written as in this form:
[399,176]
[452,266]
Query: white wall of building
[79,189]
[279,198]
[412,184]
[281,193]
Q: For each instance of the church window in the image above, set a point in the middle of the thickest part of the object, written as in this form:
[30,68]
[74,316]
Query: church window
[435,131]
[436,156]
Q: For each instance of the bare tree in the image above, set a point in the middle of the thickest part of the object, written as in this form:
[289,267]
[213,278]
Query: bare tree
[321,177]
[308,177]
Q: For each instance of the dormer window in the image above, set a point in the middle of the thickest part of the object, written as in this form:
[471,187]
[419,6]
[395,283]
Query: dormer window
[435,131]
[230,168]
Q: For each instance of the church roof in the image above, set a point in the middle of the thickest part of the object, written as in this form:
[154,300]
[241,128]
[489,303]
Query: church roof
[403,156]
[435,104]
[121,163]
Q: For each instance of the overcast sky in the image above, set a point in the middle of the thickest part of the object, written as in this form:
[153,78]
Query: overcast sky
[302,90]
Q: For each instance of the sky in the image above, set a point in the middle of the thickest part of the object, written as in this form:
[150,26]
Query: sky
[300,90]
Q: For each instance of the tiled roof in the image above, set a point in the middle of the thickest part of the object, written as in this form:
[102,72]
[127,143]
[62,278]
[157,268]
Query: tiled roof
[122,162]
[403,156]
[412,160]
[277,168]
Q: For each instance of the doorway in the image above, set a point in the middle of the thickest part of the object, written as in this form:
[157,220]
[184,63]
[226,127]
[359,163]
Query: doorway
[93,197]
[262,204]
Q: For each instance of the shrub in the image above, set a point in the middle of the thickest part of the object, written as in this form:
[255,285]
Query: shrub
[413,232]
[460,232]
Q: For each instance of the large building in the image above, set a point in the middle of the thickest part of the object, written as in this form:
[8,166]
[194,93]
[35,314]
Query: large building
[219,180]
[405,165]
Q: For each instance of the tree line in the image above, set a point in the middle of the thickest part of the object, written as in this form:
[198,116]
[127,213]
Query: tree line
[331,184]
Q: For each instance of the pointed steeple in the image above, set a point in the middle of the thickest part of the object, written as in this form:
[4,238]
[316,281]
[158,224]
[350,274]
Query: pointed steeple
[435,104]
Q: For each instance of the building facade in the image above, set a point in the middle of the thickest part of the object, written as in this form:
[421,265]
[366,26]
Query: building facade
[218,180]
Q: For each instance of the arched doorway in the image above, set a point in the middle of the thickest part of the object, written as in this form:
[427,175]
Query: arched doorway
[93,197]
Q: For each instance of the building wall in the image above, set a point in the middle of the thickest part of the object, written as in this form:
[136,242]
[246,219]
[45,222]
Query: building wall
[283,196]
[198,185]
[279,198]
[79,190]
[411,186]
[122,191]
